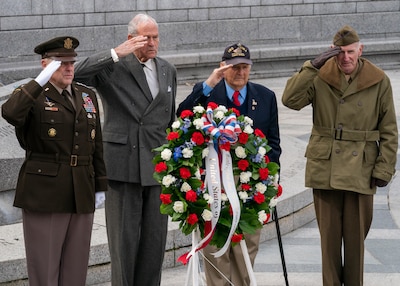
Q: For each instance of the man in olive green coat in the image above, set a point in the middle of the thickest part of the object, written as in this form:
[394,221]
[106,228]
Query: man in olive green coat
[352,148]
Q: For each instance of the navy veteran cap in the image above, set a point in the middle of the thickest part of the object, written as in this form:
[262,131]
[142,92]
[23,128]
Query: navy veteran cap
[58,47]
[237,54]
[345,36]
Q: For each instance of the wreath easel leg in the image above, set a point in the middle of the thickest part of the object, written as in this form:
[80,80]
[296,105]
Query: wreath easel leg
[278,233]
[247,261]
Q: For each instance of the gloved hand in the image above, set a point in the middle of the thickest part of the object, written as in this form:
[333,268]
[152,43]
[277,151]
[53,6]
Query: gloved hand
[100,198]
[375,182]
[321,59]
[47,72]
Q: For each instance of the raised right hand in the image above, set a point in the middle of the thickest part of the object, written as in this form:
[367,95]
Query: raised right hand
[130,45]
[217,75]
[47,72]
[321,59]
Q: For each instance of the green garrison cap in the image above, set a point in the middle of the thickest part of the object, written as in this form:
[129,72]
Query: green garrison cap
[345,36]
[58,47]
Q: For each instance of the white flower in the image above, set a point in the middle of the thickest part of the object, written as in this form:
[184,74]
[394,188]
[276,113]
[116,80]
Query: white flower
[187,153]
[178,207]
[198,109]
[185,187]
[224,197]
[247,129]
[206,215]
[176,124]
[240,152]
[208,198]
[243,196]
[198,123]
[221,108]
[261,188]
[166,154]
[262,216]
[248,120]
[245,177]
[273,202]
[262,151]
[205,152]
[219,114]
[168,180]
[197,174]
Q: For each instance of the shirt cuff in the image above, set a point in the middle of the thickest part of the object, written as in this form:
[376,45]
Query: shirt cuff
[114,56]
[206,89]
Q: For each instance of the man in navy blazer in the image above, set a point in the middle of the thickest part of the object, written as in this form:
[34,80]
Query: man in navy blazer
[229,85]
[138,92]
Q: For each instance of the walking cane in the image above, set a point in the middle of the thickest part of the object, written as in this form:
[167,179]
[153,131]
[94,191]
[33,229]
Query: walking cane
[278,232]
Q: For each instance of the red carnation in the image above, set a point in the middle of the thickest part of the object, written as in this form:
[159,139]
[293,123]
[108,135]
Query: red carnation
[184,173]
[259,133]
[263,173]
[172,135]
[212,105]
[243,138]
[192,219]
[259,198]
[237,237]
[246,187]
[186,113]
[243,165]
[266,158]
[197,138]
[165,199]
[280,190]
[237,112]
[161,167]
[191,196]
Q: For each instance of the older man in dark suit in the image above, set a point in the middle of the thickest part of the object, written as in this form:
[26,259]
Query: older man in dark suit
[138,92]
[229,85]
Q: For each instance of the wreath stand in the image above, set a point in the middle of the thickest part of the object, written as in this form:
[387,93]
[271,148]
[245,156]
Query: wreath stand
[194,264]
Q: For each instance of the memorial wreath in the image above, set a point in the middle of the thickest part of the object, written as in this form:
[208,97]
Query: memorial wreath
[216,176]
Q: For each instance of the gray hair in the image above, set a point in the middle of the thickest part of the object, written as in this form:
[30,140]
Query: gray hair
[138,19]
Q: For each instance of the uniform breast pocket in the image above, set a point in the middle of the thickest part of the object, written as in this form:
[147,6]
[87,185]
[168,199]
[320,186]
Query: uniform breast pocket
[51,124]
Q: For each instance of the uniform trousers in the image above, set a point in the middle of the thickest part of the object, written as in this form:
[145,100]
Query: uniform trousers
[344,218]
[57,247]
[137,234]
[231,264]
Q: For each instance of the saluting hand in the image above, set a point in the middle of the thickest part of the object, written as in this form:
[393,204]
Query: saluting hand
[217,75]
[47,72]
[321,59]
[130,45]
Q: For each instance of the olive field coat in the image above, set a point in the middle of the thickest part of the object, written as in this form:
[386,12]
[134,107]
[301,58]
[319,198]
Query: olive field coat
[354,135]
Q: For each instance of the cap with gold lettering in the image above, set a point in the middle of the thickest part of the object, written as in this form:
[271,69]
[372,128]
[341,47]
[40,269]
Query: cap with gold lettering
[58,47]
[345,36]
[237,54]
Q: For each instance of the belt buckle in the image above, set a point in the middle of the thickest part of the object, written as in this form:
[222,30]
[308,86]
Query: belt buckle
[74,161]
[338,132]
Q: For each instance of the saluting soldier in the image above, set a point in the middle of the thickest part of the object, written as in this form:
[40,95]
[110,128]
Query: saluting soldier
[57,123]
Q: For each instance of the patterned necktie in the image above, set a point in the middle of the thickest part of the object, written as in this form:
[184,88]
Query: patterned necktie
[236,98]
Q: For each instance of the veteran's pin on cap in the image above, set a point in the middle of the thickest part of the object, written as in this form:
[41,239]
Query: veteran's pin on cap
[345,36]
[237,54]
[58,47]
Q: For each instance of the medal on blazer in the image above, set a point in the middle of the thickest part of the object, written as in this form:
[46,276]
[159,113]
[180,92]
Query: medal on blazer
[52,132]
[88,103]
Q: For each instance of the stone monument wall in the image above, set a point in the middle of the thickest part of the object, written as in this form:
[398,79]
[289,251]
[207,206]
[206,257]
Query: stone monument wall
[193,32]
